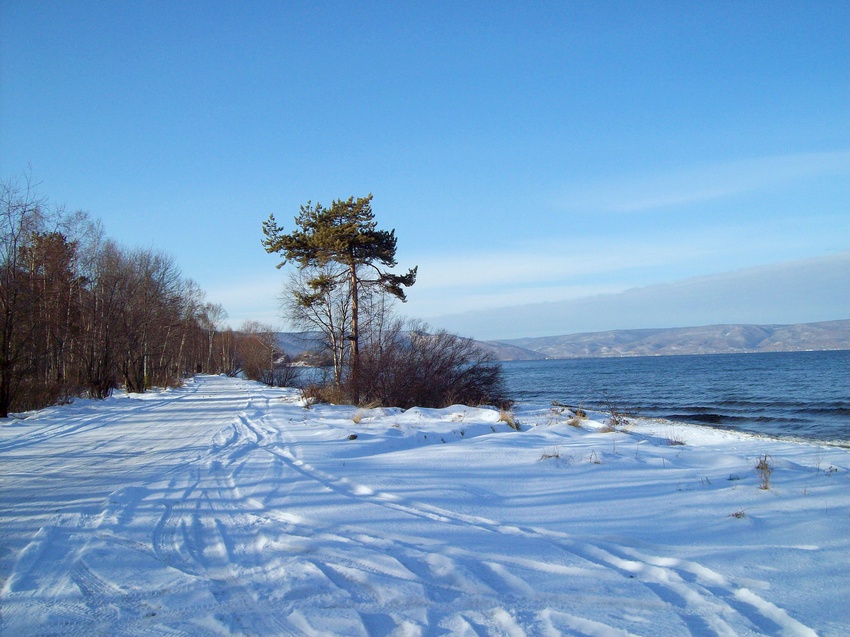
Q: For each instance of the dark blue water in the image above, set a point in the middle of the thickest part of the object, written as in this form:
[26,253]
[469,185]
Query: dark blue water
[787,394]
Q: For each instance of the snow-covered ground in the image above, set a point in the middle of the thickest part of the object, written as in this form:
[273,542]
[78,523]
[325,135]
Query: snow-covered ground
[226,507]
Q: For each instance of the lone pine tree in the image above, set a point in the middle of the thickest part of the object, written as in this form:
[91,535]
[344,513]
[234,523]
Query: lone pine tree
[345,234]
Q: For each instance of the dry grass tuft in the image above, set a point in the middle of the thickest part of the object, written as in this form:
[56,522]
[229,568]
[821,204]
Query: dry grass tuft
[360,413]
[763,469]
[313,394]
[579,414]
[675,440]
[554,452]
[506,416]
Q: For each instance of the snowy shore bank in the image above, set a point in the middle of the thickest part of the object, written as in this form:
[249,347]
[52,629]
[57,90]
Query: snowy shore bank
[226,507]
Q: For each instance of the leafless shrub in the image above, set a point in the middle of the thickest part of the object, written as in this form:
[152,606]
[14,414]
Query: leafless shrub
[406,365]
[329,394]
[764,470]
[283,375]
[617,418]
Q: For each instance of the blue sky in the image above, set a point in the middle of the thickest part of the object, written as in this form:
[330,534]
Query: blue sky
[523,152]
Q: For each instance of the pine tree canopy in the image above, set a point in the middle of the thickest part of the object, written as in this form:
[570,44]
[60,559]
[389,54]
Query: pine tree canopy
[344,233]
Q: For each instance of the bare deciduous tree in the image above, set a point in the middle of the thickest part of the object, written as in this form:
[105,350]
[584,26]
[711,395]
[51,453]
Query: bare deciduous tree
[313,300]
[256,348]
[211,318]
[21,217]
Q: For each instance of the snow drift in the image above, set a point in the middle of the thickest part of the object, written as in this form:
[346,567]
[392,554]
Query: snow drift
[226,507]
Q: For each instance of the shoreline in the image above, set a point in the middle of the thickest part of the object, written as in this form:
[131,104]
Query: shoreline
[795,396]
[646,420]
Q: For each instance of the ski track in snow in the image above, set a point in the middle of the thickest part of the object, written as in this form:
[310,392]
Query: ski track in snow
[236,529]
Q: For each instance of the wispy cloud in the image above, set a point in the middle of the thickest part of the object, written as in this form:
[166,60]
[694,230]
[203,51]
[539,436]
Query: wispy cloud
[547,262]
[539,272]
[544,263]
[551,270]
[248,299]
[819,287]
[705,183]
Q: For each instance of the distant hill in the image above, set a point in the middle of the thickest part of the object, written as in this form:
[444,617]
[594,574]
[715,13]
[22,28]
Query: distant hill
[508,352]
[295,343]
[712,339]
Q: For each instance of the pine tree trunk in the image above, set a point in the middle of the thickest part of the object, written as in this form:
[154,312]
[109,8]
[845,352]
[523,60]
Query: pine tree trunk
[355,338]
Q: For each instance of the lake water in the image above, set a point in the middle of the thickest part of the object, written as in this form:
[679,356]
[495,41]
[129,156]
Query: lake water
[788,394]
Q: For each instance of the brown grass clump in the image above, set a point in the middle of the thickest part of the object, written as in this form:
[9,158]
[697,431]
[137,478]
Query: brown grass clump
[763,469]
[506,416]
[578,415]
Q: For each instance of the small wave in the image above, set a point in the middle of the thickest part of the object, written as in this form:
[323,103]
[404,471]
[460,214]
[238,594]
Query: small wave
[814,406]
[829,411]
[802,433]
[710,419]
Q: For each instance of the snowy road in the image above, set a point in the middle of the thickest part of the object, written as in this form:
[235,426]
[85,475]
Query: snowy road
[225,507]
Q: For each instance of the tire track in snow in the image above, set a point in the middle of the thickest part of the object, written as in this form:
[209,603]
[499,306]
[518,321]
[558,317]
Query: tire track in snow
[705,601]
[193,533]
[196,503]
[128,408]
[468,585]
[341,580]
[454,579]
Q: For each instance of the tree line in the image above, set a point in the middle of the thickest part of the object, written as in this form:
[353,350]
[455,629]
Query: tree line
[81,315]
